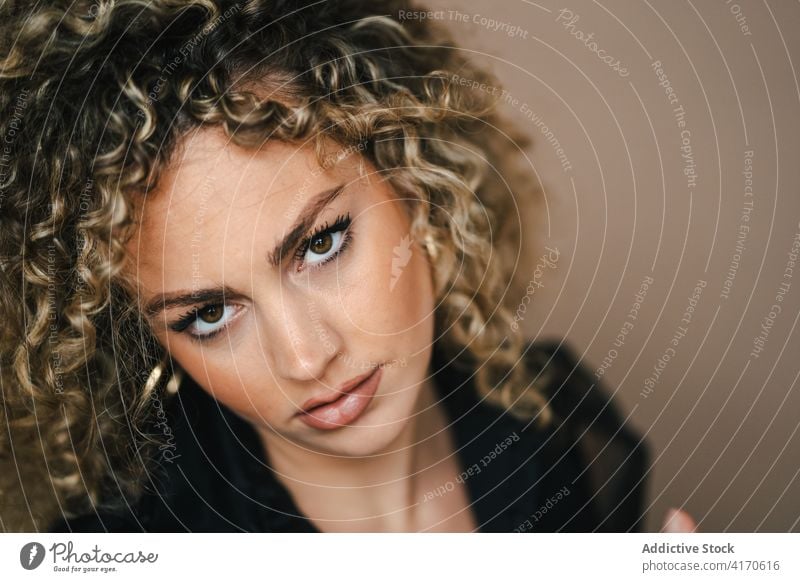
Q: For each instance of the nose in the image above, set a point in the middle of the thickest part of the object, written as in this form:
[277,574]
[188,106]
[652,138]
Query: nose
[302,340]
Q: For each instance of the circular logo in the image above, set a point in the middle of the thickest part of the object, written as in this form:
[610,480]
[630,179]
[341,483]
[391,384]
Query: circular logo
[31,555]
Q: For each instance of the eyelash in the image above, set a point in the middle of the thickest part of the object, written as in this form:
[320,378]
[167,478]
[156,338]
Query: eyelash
[190,317]
[342,223]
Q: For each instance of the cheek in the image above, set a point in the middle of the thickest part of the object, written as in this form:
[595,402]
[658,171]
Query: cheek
[244,385]
[411,301]
[389,294]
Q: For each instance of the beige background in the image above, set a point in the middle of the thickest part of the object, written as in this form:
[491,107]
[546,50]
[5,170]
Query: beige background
[722,424]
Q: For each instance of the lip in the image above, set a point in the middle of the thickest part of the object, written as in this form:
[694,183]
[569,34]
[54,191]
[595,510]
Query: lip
[344,407]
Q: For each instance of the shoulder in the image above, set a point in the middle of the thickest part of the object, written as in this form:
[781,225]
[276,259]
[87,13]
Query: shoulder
[613,459]
[584,471]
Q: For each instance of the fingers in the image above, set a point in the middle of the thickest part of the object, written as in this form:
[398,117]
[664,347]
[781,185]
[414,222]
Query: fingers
[678,521]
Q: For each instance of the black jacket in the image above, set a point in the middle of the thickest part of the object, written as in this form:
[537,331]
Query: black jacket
[585,473]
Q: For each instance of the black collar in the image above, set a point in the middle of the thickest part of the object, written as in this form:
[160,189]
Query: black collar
[215,478]
[221,481]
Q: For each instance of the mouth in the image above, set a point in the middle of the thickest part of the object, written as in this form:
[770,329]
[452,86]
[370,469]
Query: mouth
[345,407]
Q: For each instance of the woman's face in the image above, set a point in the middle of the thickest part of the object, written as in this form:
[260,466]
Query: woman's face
[274,281]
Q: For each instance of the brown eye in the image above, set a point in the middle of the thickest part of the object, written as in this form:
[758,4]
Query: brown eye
[211,314]
[321,244]
[324,245]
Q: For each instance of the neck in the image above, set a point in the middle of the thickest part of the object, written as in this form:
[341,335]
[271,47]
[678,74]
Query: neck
[371,493]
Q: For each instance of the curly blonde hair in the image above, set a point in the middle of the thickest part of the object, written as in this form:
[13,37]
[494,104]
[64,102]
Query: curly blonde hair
[96,96]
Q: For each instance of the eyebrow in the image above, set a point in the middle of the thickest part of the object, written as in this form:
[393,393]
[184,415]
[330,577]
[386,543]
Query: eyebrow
[302,224]
[189,298]
[305,220]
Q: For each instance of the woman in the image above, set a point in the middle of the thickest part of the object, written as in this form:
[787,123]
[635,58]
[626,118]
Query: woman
[257,262]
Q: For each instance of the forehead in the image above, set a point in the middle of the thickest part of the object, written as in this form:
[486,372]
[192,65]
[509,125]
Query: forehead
[209,169]
[218,200]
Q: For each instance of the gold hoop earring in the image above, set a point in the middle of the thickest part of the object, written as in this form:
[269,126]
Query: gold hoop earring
[175,382]
[430,247]
[153,378]
[155,375]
